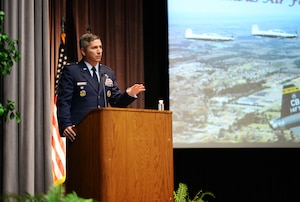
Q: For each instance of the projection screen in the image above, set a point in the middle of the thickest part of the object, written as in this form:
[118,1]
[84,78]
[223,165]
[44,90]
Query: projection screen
[234,73]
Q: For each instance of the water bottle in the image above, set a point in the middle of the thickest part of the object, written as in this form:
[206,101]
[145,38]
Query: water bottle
[161,105]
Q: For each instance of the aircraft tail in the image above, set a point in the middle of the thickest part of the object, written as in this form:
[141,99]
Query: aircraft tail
[290,100]
[188,33]
[255,29]
[290,109]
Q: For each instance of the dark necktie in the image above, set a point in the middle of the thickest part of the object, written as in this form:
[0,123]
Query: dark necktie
[95,75]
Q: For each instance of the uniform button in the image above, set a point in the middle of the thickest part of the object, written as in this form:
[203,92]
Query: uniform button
[99,106]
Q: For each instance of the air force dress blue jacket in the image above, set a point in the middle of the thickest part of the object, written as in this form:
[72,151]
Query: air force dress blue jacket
[78,93]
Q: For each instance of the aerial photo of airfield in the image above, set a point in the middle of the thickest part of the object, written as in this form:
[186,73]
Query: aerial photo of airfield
[229,91]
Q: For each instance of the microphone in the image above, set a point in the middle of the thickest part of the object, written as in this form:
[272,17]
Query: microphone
[103,85]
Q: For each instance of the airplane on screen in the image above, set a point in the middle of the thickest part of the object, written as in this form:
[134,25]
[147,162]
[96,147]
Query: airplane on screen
[275,33]
[206,37]
[290,110]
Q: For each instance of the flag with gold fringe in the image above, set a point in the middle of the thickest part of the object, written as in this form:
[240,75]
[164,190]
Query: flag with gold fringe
[58,143]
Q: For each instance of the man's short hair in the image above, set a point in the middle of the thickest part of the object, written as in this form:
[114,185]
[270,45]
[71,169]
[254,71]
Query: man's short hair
[85,40]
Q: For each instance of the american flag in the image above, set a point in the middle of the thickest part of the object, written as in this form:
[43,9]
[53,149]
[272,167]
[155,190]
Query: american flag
[58,143]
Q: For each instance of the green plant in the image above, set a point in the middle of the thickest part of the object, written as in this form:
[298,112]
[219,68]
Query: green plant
[9,109]
[182,195]
[55,194]
[8,54]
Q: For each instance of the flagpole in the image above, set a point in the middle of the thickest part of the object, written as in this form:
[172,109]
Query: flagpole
[89,18]
[63,25]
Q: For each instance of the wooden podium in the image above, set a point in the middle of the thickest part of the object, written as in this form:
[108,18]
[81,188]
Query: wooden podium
[122,155]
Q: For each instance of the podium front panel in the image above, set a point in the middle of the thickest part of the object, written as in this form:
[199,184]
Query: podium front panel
[122,155]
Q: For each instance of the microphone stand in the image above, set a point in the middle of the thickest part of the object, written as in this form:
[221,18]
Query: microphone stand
[104,91]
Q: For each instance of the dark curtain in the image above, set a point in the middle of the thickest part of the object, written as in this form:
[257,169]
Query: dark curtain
[119,23]
[156,62]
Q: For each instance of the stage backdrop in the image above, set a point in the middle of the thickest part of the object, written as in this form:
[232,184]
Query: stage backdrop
[234,73]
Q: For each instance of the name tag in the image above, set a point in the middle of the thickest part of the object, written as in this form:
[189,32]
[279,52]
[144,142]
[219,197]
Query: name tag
[82,83]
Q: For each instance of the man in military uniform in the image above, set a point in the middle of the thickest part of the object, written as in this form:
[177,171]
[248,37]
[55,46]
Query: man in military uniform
[88,85]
